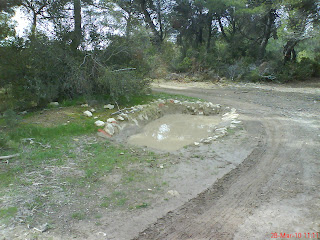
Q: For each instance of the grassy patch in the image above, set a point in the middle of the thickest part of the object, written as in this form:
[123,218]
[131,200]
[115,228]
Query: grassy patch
[116,199]
[65,167]
[8,212]
[46,133]
[142,205]
[175,96]
[78,216]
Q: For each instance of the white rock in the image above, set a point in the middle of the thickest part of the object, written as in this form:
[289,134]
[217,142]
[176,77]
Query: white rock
[87,113]
[124,115]
[99,123]
[173,193]
[85,105]
[95,117]
[54,104]
[109,129]
[108,106]
[235,121]
[120,118]
[196,143]
[111,120]
[207,141]
[92,110]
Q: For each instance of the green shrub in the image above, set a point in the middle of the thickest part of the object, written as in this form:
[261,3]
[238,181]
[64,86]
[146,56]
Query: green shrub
[185,65]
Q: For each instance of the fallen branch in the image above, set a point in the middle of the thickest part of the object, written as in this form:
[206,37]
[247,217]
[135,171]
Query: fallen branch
[121,111]
[9,156]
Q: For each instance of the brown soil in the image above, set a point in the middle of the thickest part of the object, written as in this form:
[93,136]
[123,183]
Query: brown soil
[274,191]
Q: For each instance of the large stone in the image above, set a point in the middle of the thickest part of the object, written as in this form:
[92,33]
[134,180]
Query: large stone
[109,128]
[108,106]
[99,123]
[87,113]
[54,104]
[111,120]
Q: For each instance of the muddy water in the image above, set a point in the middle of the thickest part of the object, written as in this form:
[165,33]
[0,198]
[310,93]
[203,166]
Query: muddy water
[172,132]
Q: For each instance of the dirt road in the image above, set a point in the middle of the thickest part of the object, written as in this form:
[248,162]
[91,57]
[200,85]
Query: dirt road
[274,193]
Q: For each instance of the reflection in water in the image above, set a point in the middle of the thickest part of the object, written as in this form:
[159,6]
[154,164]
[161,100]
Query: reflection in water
[172,132]
[161,134]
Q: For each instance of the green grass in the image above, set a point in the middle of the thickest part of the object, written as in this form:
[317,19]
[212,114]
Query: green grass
[116,199]
[142,205]
[54,147]
[78,216]
[106,158]
[175,96]
[38,132]
[6,213]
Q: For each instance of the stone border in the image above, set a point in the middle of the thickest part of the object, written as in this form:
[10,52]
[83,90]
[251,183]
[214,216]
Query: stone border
[142,114]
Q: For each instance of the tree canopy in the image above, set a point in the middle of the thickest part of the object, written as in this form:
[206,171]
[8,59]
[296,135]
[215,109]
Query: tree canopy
[81,45]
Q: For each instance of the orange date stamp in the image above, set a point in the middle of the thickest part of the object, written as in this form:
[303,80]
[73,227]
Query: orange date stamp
[284,235]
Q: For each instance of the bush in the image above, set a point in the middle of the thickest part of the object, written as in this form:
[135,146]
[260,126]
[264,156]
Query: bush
[298,71]
[43,70]
[119,83]
[185,65]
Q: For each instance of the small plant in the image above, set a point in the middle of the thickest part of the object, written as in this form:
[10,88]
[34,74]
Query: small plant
[11,118]
[78,216]
[142,205]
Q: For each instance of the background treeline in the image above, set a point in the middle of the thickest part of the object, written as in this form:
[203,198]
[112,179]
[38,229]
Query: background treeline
[110,47]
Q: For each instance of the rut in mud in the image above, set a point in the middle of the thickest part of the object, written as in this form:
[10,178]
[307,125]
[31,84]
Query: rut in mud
[273,191]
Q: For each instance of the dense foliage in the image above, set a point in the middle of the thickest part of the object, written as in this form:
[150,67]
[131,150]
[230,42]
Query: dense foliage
[109,47]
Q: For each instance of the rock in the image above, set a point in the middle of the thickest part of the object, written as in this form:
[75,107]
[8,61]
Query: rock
[174,193]
[87,113]
[120,118]
[109,129]
[92,110]
[108,106]
[54,104]
[42,228]
[196,143]
[124,115]
[111,120]
[24,113]
[99,123]
[95,117]
[207,141]
[235,121]
[84,105]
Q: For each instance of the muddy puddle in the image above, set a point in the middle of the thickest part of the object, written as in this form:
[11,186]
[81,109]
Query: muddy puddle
[174,131]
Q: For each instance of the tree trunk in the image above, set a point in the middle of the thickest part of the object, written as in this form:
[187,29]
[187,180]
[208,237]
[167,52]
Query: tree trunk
[289,52]
[128,27]
[160,20]
[210,16]
[224,35]
[147,17]
[34,24]
[77,34]
[271,17]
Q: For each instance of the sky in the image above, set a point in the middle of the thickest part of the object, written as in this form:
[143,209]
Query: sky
[22,22]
